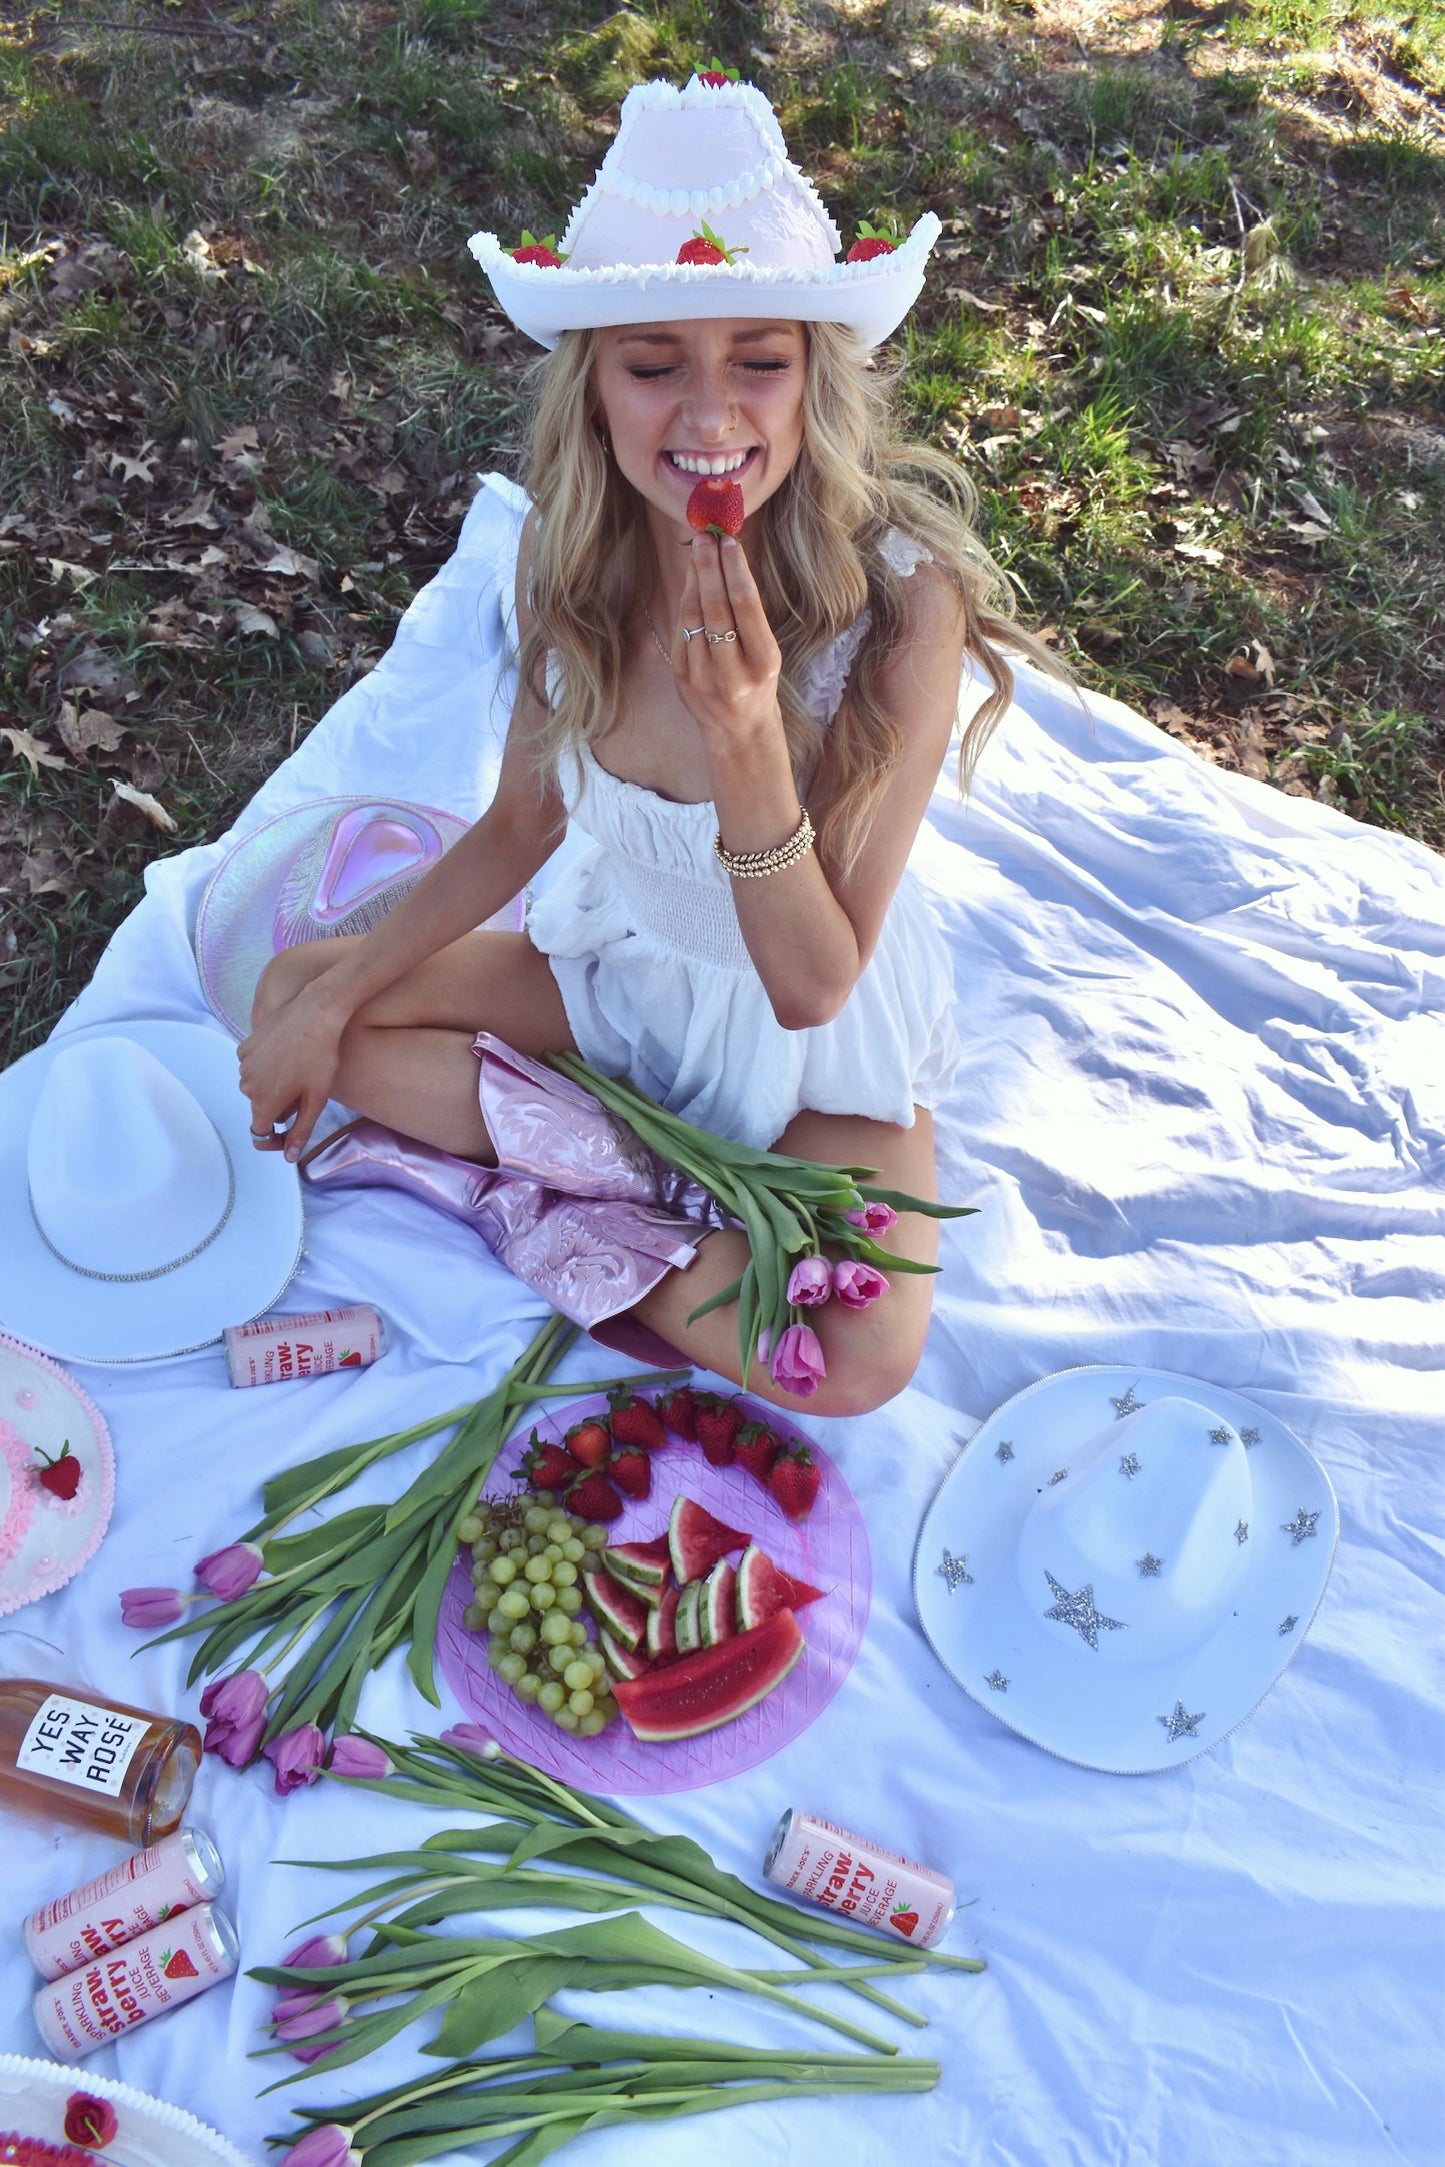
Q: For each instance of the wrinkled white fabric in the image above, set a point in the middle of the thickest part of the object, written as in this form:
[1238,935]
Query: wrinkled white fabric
[1201,1113]
[658,985]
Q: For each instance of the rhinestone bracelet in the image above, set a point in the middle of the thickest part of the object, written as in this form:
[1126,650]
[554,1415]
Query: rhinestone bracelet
[756,864]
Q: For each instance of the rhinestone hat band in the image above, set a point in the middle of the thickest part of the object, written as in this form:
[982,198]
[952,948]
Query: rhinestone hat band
[157,1271]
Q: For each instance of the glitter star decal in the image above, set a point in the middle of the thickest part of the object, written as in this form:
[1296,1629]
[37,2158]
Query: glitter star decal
[952,1570]
[1004,1453]
[996,1682]
[1079,1612]
[1181,1724]
[1221,1436]
[1148,1566]
[1241,1533]
[1063,1471]
[1287,1625]
[1249,1437]
[1300,1528]
[1130,1465]
[1128,1405]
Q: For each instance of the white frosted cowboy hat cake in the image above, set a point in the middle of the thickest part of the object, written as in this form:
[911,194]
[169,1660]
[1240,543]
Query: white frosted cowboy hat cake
[711,152]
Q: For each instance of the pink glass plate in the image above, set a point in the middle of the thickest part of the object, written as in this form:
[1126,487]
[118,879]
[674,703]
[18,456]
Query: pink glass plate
[829,1549]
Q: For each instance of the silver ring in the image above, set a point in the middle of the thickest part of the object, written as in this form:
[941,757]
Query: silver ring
[692,633]
[715,639]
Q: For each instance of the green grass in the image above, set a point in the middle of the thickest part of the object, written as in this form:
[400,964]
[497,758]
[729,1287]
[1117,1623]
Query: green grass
[1147,408]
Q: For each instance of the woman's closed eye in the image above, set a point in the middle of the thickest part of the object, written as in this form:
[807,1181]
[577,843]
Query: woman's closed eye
[755,368]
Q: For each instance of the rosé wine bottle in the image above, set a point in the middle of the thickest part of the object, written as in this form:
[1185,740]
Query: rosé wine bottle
[172,1963]
[67,1751]
[143,1891]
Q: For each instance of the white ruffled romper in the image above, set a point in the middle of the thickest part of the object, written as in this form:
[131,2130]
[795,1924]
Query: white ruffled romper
[644,943]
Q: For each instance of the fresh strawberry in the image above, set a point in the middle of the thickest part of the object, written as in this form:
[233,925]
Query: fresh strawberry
[631,1470]
[755,1448]
[904,1920]
[718,1423]
[61,1476]
[594,1498]
[716,506]
[178,1966]
[872,241]
[588,1442]
[534,251]
[794,1482]
[635,1421]
[89,2121]
[547,1467]
[678,1413]
[708,247]
[715,75]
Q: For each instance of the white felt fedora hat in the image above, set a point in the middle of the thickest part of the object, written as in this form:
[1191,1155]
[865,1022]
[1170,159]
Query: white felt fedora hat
[708,152]
[1122,1562]
[139,1219]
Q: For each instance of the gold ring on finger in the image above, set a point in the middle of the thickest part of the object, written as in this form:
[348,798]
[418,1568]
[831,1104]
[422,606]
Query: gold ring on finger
[715,639]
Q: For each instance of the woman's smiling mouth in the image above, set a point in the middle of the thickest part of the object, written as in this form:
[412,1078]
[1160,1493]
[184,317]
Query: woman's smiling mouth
[695,463]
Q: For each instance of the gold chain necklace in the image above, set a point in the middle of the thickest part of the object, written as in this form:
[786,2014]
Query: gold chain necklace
[657,643]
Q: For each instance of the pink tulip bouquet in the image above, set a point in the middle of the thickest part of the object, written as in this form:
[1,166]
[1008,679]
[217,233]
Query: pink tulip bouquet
[812,1229]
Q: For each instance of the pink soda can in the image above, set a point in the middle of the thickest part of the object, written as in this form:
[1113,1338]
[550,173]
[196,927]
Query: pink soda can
[142,1979]
[858,1880]
[272,1350]
[144,1890]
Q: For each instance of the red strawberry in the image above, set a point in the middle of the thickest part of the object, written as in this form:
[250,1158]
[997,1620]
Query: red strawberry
[872,241]
[794,1482]
[631,1470]
[178,1966]
[89,2121]
[547,1467]
[594,1498]
[905,1921]
[350,1360]
[715,75]
[716,506]
[588,1442]
[635,1421]
[755,1448]
[61,1476]
[708,247]
[679,1413]
[718,1422]
[534,251]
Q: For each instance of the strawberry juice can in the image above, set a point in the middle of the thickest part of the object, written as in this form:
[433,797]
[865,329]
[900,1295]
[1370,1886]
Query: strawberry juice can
[143,1891]
[858,1880]
[272,1350]
[142,1979]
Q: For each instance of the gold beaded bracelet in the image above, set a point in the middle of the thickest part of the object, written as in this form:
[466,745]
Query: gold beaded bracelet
[756,864]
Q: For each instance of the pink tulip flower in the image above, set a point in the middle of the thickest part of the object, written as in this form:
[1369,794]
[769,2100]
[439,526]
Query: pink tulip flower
[297,1756]
[856,1284]
[148,1607]
[235,1709]
[797,1363]
[874,1218]
[319,1953]
[359,1757]
[229,1572]
[319,2016]
[472,1739]
[809,1282]
[328,2145]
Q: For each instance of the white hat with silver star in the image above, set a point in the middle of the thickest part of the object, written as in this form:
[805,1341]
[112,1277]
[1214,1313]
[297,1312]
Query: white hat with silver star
[1122,1562]
[710,153]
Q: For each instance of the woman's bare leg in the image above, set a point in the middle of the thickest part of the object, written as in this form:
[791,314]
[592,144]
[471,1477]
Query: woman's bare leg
[871,1353]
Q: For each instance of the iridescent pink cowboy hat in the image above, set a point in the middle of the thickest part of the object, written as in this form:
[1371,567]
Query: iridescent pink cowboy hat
[335,865]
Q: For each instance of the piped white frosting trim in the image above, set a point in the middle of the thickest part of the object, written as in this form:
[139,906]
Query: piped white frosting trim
[492,256]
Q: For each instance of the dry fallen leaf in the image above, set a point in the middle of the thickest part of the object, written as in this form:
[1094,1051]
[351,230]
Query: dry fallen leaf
[61,568]
[1200,551]
[239,443]
[144,803]
[26,747]
[195,514]
[141,468]
[91,730]
[247,618]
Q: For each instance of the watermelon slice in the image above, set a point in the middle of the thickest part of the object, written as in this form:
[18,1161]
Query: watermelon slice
[622,1662]
[716,1612]
[763,1590]
[662,1627]
[639,1565]
[713,1686]
[615,1607]
[696,1541]
[688,1624]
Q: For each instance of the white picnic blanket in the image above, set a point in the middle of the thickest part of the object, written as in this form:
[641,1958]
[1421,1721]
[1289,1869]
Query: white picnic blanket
[1201,1112]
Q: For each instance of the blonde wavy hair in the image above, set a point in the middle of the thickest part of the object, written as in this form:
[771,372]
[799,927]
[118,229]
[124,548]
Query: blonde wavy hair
[819,563]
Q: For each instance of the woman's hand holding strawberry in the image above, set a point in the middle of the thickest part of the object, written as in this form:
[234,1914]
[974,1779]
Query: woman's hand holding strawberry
[727,673]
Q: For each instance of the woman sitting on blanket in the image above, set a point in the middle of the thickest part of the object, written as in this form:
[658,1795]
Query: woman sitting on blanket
[789,690]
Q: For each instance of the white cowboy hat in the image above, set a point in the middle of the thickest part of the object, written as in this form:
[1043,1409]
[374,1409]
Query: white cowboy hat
[149,2132]
[709,152]
[1122,1562]
[139,1219]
